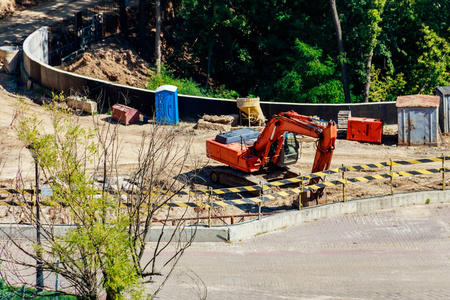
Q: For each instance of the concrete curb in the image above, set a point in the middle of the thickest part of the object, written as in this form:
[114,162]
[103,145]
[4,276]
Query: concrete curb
[270,223]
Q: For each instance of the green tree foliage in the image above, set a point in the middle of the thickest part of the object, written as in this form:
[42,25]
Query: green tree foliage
[187,86]
[386,87]
[103,249]
[99,243]
[433,65]
[250,40]
[248,45]
[372,32]
[312,79]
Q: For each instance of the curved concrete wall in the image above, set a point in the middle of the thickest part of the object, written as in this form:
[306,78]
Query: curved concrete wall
[35,49]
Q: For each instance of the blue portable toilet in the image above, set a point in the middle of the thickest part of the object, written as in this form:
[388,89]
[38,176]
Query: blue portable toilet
[166,105]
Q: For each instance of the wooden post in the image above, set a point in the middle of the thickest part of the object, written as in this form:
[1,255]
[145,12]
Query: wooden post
[443,172]
[392,177]
[210,207]
[343,185]
[300,205]
[261,193]
[151,210]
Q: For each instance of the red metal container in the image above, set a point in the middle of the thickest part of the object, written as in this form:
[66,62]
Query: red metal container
[124,114]
[365,130]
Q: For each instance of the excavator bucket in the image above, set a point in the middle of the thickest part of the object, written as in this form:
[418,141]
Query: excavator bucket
[311,198]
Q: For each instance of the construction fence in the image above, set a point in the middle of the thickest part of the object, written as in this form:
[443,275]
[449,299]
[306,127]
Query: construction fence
[264,190]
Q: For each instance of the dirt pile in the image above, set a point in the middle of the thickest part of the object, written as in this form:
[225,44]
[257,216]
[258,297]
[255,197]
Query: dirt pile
[213,122]
[112,60]
[7,7]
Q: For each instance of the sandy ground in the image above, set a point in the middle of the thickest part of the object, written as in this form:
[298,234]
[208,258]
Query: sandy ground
[102,61]
[16,159]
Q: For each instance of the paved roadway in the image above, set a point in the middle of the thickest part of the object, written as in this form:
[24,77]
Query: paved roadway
[403,253]
[15,28]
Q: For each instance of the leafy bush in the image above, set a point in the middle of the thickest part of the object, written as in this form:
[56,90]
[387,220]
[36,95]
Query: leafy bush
[187,86]
[312,79]
[18,293]
[386,87]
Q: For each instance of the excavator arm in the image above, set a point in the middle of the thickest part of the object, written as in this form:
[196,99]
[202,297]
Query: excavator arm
[293,122]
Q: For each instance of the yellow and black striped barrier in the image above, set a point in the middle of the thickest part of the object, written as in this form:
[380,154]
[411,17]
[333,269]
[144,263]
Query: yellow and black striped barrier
[17,191]
[269,197]
[282,182]
[317,174]
[296,191]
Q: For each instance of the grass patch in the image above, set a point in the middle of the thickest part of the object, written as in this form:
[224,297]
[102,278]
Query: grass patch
[18,293]
[187,86]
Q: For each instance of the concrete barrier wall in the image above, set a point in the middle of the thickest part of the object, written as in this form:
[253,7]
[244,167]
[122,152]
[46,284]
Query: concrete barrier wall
[35,50]
[330,210]
[266,224]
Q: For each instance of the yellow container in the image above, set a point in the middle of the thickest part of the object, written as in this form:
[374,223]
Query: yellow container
[251,110]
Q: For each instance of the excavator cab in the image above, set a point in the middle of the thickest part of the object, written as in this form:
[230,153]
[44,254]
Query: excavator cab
[289,153]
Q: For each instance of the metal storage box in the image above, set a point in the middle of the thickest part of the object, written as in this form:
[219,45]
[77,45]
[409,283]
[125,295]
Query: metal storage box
[365,130]
[418,120]
[444,94]
[124,114]
[166,99]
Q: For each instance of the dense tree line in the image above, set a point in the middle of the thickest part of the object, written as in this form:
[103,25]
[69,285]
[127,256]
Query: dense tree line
[284,50]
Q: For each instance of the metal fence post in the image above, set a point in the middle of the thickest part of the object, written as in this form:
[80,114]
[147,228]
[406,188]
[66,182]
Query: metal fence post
[210,207]
[151,210]
[392,177]
[443,171]
[261,194]
[22,290]
[300,205]
[344,198]
[56,281]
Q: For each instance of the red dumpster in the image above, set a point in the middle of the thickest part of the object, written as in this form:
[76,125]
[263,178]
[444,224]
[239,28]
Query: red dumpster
[124,114]
[365,130]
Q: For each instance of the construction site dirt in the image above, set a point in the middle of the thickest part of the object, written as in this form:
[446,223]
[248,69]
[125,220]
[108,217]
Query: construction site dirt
[15,159]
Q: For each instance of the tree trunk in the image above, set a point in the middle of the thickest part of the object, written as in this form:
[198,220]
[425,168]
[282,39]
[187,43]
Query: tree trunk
[142,27]
[337,25]
[123,17]
[367,84]
[209,69]
[158,36]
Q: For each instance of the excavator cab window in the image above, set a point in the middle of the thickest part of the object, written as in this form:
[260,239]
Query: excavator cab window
[289,155]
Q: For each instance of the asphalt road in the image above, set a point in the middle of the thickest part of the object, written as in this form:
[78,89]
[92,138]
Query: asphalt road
[403,253]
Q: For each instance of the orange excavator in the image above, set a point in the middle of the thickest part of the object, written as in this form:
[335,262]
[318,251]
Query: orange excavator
[275,147]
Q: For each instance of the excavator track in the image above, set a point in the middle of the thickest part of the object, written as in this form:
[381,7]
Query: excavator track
[229,176]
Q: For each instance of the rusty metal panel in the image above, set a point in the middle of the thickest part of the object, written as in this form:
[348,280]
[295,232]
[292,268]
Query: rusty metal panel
[125,114]
[417,101]
[444,94]
[417,126]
